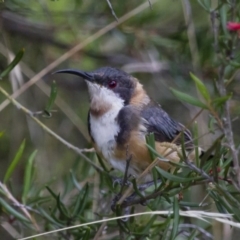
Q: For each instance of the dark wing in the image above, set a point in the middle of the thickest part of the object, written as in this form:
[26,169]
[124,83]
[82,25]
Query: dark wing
[128,119]
[165,129]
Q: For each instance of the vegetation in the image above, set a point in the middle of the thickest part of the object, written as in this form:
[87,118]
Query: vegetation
[50,177]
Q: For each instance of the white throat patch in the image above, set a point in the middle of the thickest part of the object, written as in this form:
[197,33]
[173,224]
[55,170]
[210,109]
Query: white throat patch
[104,127]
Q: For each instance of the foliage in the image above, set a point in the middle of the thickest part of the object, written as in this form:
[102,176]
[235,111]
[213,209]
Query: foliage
[151,39]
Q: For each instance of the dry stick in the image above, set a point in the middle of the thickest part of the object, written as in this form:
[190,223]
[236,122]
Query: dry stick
[15,202]
[191,214]
[75,49]
[99,232]
[63,106]
[154,163]
[48,130]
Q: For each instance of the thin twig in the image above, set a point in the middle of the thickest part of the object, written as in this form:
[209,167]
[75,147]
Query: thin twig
[150,4]
[75,49]
[15,202]
[154,195]
[191,214]
[100,230]
[59,102]
[48,130]
[113,13]
[125,177]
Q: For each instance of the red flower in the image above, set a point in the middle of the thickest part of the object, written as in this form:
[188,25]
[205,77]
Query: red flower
[233,26]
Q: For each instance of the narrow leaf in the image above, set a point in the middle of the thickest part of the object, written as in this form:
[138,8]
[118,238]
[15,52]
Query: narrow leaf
[221,100]
[174,178]
[48,217]
[28,175]
[188,99]
[60,206]
[151,142]
[201,87]
[14,162]
[223,17]
[193,234]
[12,211]
[14,62]
[86,236]
[206,4]
[175,219]
[51,99]
[80,202]
[195,133]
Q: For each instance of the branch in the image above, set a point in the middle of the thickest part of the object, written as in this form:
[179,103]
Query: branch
[48,130]
[74,50]
[15,202]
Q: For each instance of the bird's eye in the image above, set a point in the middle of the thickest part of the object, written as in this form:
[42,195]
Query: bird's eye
[112,84]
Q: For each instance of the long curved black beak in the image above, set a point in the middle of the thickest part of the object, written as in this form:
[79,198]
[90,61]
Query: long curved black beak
[85,75]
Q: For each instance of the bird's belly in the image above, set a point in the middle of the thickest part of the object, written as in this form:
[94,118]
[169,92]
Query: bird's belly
[103,131]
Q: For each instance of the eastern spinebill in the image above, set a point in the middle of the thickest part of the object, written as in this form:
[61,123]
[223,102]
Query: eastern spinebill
[120,117]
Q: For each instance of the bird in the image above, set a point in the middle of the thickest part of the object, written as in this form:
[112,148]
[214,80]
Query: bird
[122,115]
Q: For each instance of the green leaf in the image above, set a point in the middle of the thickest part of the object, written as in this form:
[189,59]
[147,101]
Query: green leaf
[223,17]
[14,62]
[161,158]
[12,211]
[1,134]
[201,87]
[51,99]
[60,206]
[206,4]
[102,163]
[74,180]
[174,178]
[155,176]
[175,219]
[150,140]
[28,176]
[235,64]
[86,236]
[207,154]
[196,136]
[62,209]
[80,202]
[167,227]
[193,234]
[48,217]
[221,100]
[188,99]
[14,162]
[149,225]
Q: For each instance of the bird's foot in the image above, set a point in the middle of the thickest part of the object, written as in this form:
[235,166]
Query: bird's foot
[120,181]
[129,199]
[114,201]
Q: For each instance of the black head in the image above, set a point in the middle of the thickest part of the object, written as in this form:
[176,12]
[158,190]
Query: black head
[111,78]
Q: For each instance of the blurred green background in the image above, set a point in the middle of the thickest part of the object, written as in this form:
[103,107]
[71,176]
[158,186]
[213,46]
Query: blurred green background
[156,45]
